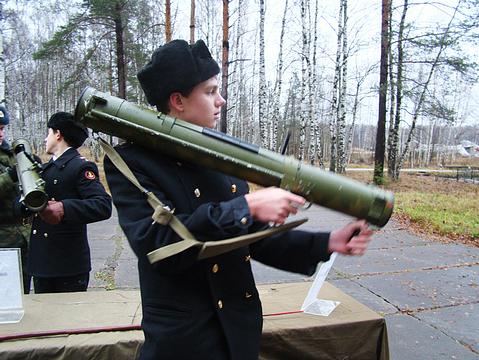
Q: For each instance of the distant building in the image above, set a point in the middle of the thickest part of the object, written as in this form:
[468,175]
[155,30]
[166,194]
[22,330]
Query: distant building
[468,148]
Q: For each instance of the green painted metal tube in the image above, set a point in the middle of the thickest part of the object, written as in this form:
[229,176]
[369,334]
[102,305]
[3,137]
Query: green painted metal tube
[31,184]
[188,142]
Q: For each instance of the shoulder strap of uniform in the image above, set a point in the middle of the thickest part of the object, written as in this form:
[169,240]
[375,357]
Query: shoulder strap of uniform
[163,215]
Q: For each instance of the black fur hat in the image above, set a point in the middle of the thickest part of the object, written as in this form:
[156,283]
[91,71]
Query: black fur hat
[4,118]
[73,131]
[176,66]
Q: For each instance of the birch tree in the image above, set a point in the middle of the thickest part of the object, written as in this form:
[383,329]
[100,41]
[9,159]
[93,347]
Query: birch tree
[30,97]
[278,85]
[333,123]
[304,111]
[262,99]
[225,65]
[316,148]
[341,122]
[396,90]
[192,22]
[240,113]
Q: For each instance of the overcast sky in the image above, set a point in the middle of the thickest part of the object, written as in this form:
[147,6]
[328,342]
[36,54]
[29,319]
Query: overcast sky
[364,29]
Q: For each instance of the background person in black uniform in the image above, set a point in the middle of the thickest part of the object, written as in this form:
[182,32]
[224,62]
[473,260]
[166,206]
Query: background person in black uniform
[206,309]
[14,228]
[59,259]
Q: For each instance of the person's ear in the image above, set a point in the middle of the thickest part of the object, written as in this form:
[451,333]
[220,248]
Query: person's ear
[58,135]
[176,102]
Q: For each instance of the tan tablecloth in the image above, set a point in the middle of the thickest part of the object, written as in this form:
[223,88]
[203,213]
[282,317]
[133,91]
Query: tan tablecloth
[352,331]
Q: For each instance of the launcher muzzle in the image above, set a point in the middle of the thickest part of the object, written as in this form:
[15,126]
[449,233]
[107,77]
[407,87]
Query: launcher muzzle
[30,182]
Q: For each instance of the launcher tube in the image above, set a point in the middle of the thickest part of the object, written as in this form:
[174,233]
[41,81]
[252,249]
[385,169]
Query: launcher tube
[188,142]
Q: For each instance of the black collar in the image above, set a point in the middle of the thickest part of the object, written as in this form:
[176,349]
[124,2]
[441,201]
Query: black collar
[63,159]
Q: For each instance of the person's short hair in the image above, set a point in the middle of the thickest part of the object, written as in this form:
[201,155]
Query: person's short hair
[72,131]
[176,67]
[4,117]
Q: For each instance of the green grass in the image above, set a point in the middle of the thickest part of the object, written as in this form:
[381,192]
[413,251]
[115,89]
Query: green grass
[434,206]
[447,214]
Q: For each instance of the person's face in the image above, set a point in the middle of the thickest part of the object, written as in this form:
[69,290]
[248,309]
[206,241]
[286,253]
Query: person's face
[51,141]
[203,106]
[2,133]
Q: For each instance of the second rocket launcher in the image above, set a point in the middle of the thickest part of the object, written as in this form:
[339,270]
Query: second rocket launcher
[30,182]
[188,142]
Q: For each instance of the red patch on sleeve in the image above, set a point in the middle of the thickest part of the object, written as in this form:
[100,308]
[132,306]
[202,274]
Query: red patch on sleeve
[90,175]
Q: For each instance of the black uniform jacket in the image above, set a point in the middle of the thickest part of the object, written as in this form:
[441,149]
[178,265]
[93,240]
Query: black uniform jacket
[62,249]
[206,309]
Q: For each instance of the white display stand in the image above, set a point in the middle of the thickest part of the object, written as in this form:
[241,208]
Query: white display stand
[11,286]
[313,305]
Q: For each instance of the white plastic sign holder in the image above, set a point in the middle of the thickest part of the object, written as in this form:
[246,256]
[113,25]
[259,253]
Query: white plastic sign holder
[11,286]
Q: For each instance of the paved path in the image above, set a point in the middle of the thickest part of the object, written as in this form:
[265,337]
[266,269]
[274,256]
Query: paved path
[427,291]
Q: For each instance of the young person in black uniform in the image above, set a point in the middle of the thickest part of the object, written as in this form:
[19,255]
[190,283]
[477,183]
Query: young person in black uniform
[206,309]
[59,258]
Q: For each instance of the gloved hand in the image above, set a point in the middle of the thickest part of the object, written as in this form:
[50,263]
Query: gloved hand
[12,172]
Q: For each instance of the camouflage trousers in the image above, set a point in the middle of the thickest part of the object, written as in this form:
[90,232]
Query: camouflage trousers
[17,236]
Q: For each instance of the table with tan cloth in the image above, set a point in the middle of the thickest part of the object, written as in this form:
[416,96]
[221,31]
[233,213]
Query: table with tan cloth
[351,331]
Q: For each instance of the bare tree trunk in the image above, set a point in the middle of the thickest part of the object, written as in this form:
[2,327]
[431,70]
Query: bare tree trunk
[253,135]
[304,111]
[392,99]
[192,22]
[430,144]
[238,108]
[293,106]
[335,101]
[394,127]
[263,121]
[350,135]
[341,149]
[167,20]
[316,147]
[278,83]
[383,83]
[2,63]
[120,52]
[225,65]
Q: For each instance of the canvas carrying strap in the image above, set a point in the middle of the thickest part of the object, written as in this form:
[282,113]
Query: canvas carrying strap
[163,215]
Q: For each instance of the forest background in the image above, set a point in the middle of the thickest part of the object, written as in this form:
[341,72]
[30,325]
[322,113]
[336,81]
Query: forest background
[307,67]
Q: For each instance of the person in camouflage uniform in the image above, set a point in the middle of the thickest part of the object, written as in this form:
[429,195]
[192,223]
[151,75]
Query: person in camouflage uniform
[14,229]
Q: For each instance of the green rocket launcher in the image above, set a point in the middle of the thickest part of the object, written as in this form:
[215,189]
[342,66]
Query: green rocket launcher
[31,184]
[188,142]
